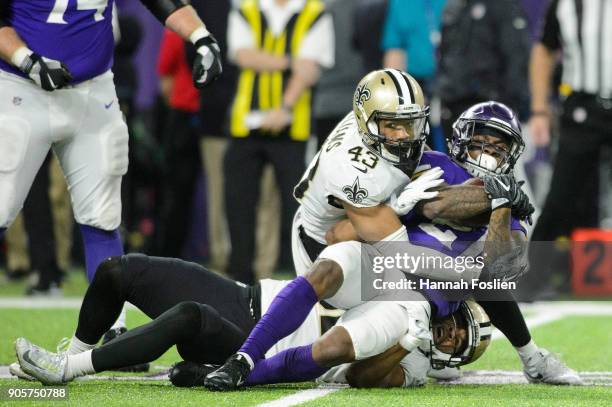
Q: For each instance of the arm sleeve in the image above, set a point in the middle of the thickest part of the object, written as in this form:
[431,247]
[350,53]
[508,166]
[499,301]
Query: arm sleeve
[319,42]
[392,36]
[161,9]
[550,35]
[239,35]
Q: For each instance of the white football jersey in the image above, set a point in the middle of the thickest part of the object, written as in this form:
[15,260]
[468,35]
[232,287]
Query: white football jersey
[344,170]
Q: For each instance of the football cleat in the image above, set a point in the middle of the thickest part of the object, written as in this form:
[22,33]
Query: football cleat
[230,376]
[190,374]
[112,334]
[18,372]
[47,367]
[546,368]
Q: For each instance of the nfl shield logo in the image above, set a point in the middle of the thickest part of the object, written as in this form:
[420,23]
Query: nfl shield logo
[17,100]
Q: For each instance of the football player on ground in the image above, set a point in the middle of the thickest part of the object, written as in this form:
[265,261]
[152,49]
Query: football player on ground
[370,155]
[486,143]
[205,315]
[58,93]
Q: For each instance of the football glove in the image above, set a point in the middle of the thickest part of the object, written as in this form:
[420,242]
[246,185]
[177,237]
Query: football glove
[207,64]
[47,73]
[416,191]
[418,335]
[505,191]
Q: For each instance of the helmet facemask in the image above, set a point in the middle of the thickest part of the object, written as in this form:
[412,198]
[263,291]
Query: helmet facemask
[472,334]
[491,159]
[404,153]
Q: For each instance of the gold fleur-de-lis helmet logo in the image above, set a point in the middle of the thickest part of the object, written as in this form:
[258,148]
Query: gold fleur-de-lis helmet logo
[362,94]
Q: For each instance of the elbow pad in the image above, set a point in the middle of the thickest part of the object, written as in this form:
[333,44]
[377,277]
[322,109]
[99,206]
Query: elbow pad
[161,9]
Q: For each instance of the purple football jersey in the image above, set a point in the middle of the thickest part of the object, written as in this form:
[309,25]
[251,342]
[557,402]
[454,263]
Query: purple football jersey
[443,238]
[78,33]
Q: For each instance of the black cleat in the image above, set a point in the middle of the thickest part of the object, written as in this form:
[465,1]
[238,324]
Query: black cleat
[190,374]
[112,334]
[230,376]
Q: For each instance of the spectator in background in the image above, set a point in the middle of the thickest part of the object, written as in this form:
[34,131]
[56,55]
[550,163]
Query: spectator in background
[180,146]
[582,31]
[334,92]
[484,52]
[411,36]
[368,19]
[280,47]
[215,100]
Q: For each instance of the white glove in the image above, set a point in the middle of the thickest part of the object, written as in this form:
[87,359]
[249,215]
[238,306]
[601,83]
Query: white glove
[418,334]
[416,191]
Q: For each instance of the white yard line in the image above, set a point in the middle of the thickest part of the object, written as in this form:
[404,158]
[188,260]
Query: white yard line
[302,396]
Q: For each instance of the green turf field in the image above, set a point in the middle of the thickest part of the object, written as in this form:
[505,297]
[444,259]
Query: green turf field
[583,341]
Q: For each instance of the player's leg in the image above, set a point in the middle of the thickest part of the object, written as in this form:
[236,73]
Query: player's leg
[154,285]
[93,161]
[24,142]
[362,332]
[335,277]
[198,330]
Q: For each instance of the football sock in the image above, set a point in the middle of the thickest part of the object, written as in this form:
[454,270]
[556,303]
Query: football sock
[290,365]
[99,245]
[79,365]
[506,316]
[2,230]
[120,322]
[286,313]
[77,346]
[527,351]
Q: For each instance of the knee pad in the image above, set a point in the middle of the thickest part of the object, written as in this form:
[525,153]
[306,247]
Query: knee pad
[109,274]
[114,139]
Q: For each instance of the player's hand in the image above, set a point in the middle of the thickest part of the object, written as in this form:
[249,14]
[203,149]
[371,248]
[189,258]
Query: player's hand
[416,191]
[522,207]
[207,64]
[276,120]
[47,73]
[502,190]
[418,335]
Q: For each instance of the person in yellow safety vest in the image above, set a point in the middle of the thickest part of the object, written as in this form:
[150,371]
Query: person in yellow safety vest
[280,47]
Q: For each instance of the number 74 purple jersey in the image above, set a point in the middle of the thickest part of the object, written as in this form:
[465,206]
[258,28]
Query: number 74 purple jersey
[78,33]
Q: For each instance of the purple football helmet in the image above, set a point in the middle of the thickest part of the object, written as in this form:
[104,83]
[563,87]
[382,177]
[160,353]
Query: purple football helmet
[487,119]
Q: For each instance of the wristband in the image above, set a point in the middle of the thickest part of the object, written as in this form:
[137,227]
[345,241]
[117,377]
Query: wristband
[20,56]
[198,34]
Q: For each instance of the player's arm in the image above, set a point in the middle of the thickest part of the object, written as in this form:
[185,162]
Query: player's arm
[382,370]
[181,18]
[455,203]
[373,223]
[47,73]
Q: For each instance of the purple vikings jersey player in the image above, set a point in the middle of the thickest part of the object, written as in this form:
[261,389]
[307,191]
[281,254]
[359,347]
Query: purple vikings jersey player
[58,93]
[77,32]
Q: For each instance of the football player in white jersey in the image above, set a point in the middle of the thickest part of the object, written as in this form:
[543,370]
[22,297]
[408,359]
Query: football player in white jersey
[369,156]
[207,317]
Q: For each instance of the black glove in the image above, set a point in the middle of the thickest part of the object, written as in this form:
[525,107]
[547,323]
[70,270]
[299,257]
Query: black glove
[522,207]
[47,73]
[505,191]
[207,64]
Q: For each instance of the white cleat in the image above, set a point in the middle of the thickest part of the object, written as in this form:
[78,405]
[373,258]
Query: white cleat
[47,367]
[16,371]
[546,368]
